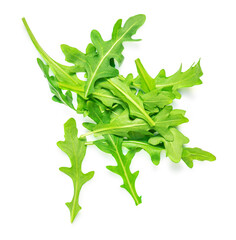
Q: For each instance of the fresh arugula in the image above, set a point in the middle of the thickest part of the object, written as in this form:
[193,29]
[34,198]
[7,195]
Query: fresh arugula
[132,113]
[75,148]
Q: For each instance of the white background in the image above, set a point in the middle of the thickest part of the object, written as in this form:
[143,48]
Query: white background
[178,202]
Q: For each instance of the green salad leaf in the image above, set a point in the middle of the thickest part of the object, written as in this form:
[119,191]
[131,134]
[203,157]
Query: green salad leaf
[75,148]
[190,154]
[113,145]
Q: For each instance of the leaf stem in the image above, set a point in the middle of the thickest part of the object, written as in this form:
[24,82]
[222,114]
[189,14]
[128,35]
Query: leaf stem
[86,134]
[36,44]
[55,67]
[89,143]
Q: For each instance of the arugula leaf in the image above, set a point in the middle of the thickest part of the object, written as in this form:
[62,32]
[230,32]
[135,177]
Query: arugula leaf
[122,91]
[113,145]
[98,64]
[190,154]
[65,75]
[180,79]
[75,148]
[167,118]
[58,94]
[172,83]
[153,151]
[147,83]
[174,148]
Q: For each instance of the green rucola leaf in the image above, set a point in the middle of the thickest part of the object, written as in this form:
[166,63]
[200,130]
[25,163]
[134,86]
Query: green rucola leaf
[75,148]
[167,118]
[174,148]
[190,154]
[147,83]
[97,64]
[153,151]
[172,83]
[53,85]
[65,75]
[180,79]
[113,145]
[123,92]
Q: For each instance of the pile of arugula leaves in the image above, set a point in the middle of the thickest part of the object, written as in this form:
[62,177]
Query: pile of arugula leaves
[126,112]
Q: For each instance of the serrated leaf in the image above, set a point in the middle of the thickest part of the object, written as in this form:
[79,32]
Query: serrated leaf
[65,75]
[98,64]
[180,79]
[190,154]
[113,145]
[147,83]
[174,82]
[75,148]
[174,148]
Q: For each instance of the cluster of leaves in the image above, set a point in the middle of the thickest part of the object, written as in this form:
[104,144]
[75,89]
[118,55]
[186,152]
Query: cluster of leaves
[129,112]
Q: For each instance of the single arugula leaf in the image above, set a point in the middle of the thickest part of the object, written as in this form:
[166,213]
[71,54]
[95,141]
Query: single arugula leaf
[180,79]
[58,94]
[123,92]
[75,148]
[113,145]
[121,126]
[147,83]
[174,82]
[98,64]
[155,99]
[65,75]
[190,154]
[153,151]
[167,118]
[174,148]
